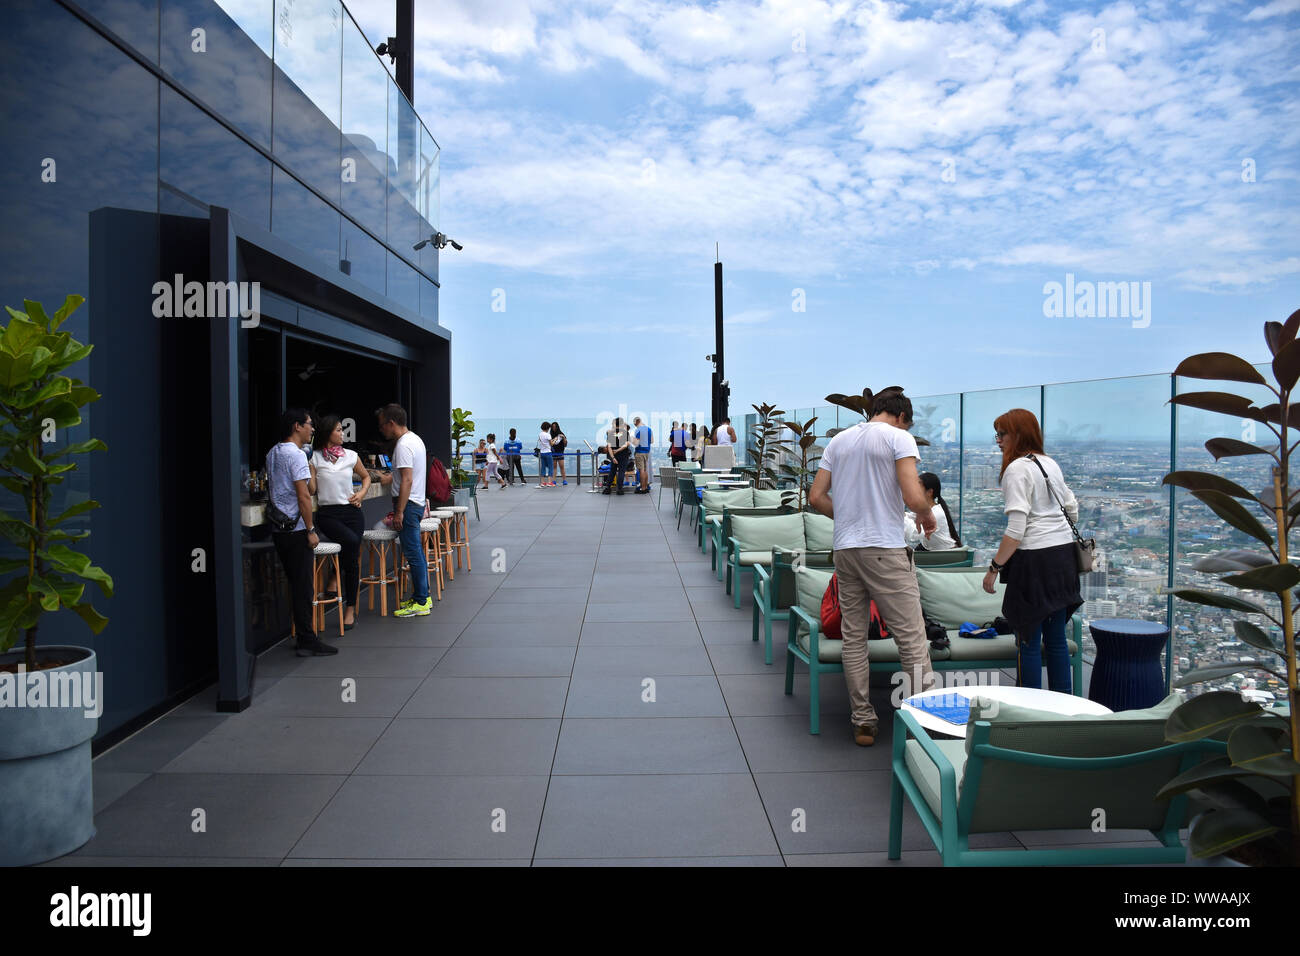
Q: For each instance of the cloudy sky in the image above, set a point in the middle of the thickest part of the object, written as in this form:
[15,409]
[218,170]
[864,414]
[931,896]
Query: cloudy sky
[892,186]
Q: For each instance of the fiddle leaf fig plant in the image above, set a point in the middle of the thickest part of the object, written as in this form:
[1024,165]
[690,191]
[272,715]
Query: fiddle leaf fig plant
[462,430]
[1255,787]
[36,401]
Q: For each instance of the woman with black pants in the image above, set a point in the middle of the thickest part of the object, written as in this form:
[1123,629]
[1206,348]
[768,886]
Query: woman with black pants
[1036,557]
[338,511]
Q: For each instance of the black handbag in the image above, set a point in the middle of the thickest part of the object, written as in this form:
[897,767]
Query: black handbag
[1084,548]
[278,520]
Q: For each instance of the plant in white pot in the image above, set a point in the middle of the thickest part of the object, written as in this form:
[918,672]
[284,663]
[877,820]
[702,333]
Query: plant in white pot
[50,695]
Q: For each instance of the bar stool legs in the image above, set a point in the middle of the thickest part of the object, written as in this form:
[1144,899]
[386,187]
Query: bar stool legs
[325,554]
[379,544]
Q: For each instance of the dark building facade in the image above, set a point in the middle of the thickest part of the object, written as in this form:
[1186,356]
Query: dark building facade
[155,144]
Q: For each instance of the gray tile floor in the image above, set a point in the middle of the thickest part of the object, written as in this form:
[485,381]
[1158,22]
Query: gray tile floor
[597,701]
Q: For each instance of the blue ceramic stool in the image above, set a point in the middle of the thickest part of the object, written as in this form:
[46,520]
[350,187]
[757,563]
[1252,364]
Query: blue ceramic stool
[1127,674]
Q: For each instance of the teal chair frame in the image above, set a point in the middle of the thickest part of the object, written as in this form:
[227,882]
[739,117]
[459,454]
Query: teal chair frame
[774,591]
[964,558]
[950,833]
[721,532]
[685,492]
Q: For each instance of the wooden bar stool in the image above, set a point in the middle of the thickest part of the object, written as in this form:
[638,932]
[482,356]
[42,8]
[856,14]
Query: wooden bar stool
[379,544]
[430,531]
[441,540]
[460,533]
[325,553]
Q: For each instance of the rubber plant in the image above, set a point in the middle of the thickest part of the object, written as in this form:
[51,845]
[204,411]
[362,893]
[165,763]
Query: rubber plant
[35,400]
[862,405]
[1254,789]
[809,455]
[462,430]
[767,446]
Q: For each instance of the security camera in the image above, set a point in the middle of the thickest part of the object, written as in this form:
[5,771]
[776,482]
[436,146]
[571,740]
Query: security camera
[726,383]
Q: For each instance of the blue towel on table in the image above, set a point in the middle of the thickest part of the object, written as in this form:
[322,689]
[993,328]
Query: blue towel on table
[952,706]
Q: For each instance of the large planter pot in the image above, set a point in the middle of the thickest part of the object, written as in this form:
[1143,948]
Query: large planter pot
[45,779]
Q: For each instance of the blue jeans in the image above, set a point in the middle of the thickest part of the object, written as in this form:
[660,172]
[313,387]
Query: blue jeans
[410,538]
[1048,635]
[547,468]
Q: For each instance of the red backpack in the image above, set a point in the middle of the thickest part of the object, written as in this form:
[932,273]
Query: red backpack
[439,485]
[832,618]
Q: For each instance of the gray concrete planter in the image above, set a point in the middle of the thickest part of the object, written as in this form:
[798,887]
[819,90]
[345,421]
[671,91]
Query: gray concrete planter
[45,781]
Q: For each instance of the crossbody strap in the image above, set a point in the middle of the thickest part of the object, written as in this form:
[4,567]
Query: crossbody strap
[297,515]
[1052,491]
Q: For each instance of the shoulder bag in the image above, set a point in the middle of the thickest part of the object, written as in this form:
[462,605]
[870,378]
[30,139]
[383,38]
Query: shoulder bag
[1084,548]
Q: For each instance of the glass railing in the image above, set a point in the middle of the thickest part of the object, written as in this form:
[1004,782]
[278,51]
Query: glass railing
[1115,440]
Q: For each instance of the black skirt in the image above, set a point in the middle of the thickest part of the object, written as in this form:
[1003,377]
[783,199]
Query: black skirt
[1040,581]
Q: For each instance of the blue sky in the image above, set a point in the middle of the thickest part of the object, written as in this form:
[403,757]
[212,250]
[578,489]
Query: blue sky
[920,172]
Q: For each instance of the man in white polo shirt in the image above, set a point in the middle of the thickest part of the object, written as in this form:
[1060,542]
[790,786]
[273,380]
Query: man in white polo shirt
[873,467]
[408,479]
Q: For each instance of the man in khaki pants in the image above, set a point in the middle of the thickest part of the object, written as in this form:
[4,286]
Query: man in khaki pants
[873,465]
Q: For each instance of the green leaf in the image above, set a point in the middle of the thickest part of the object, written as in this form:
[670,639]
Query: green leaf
[1220,366]
[1235,559]
[82,395]
[1259,750]
[1277,578]
[1211,771]
[56,387]
[1222,448]
[70,304]
[78,448]
[1234,514]
[1207,715]
[1203,481]
[80,508]
[1250,634]
[94,620]
[1210,599]
[1286,366]
[65,559]
[1215,671]
[1223,402]
[1218,831]
[64,412]
[38,587]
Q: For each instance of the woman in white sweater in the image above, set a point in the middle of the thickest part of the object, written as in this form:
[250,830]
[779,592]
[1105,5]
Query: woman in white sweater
[944,537]
[1036,557]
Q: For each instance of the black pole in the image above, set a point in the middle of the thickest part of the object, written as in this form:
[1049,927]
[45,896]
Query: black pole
[405,51]
[719,375]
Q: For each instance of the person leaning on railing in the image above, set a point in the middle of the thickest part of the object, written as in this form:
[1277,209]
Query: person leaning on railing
[1036,559]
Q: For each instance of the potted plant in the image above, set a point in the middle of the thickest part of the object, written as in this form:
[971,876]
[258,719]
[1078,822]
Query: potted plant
[809,455]
[462,431]
[767,446]
[49,696]
[1253,789]
[862,405]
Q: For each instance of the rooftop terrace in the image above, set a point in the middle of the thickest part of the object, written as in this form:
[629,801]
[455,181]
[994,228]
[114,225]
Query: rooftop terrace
[519,699]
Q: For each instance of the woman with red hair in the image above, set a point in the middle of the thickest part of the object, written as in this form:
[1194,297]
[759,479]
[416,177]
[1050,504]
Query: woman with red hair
[1036,557]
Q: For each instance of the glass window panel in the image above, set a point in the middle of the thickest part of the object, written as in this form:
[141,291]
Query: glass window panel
[982,517]
[308,61]
[429,301]
[426,184]
[938,420]
[206,162]
[404,228]
[1111,439]
[402,285]
[1204,635]
[232,76]
[255,18]
[366,258]
[134,21]
[301,218]
[365,131]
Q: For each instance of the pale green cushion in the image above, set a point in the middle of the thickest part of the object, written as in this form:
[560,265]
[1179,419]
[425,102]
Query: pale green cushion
[828,651]
[926,775]
[810,585]
[767,498]
[818,531]
[715,499]
[713,519]
[1128,731]
[765,532]
[953,597]
[747,559]
[1000,648]
[689,466]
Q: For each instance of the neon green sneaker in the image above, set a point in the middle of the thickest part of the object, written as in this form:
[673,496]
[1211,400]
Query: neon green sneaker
[415,609]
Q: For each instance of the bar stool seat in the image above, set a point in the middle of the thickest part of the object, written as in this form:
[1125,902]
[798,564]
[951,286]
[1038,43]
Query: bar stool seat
[444,517]
[431,539]
[460,536]
[324,554]
[378,543]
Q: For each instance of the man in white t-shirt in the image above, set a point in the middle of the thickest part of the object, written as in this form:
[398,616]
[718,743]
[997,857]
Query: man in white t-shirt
[873,469]
[408,477]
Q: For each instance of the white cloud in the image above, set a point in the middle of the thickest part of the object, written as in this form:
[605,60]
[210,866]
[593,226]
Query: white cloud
[1277,8]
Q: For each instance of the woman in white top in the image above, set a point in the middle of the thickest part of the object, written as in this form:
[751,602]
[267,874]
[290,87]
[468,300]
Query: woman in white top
[493,461]
[1036,557]
[545,465]
[944,537]
[338,511]
[701,442]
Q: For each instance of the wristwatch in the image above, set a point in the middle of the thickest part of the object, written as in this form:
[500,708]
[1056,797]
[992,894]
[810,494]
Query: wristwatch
[994,566]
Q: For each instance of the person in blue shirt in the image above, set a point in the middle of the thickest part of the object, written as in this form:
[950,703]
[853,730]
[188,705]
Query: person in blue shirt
[513,449]
[677,443]
[643,437]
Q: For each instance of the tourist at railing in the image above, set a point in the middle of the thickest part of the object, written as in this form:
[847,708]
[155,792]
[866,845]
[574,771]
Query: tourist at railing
[942,538]
[545,470]
[338,507]
[1036,559]
[692,442]
[677,438]
[619,442]
[642,438]
[559,441]
[480,462]
[514,450]
[873,470]
[700,442]
[408,478]
[493,462]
